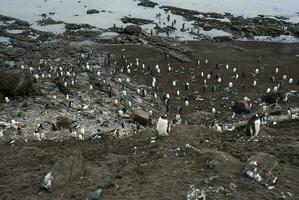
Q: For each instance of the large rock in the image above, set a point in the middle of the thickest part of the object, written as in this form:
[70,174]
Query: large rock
[273,97]
[200,118]
[133,30]
[147,3]
[263,168]
[15,82]
[274,109]
[142,117]
[64,171]
[92,11]
[241,107]
[63,123]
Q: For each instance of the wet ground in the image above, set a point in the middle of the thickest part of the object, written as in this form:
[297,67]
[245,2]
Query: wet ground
[135,168]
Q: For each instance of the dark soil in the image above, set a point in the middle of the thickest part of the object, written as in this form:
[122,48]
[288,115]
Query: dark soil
[135,168]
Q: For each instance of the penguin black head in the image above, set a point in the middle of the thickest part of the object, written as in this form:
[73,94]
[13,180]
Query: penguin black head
[255,117]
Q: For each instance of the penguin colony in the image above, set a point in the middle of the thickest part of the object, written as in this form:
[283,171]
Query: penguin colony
[186,89]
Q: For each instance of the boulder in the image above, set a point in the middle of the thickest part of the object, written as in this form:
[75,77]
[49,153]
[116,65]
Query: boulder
[241,107]
[63,123]
[207,27]
[96,195]
[274,109]
[92,11]
[273,97]
[142,117]
[147,3]
[222,38]
[15,82]
[200,118]
[263,168]
[133,30]
[64,171]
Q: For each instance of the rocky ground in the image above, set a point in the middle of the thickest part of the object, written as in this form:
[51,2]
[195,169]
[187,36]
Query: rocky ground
[59,89]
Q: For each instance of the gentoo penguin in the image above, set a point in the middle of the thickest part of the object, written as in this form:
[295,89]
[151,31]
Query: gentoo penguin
[253,126]
[6,100]
[257,71]
[163,126]
[178,119]
[254,83]
[213,110]
[187,86]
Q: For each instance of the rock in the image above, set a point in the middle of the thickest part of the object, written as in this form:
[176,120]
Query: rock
[273,97]
[9,134]
[15,82]
[19,23]
[92,11]
[207,27]
[241,107]
[133,30]
[63,123]
[222,38]
[95,195]
[263,168]
[295,30]
[147,3]
[142,117]
[194,193]
[70,26]
[48,21]
[274,109]
[64,171]
[138,21]
[200,118]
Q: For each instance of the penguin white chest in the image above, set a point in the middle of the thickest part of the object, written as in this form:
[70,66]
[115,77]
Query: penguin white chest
[257,125]
[162,126]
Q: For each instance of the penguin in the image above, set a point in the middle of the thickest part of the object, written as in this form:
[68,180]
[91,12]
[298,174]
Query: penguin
[257,71]
[6,100]
[254,83]
[163,126]
[178,119]
[173,83]
[187,86]
[253,126]
[213,110]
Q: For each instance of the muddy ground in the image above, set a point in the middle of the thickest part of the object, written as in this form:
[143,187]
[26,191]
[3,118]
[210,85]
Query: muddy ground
[135,168]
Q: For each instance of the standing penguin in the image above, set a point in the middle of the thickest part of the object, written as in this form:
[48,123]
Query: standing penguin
[163,126]
[253,126]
